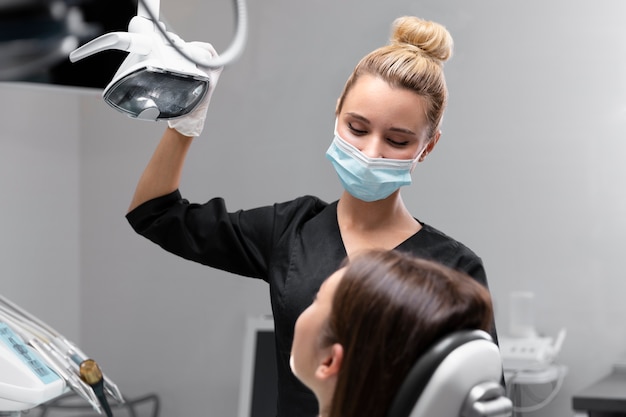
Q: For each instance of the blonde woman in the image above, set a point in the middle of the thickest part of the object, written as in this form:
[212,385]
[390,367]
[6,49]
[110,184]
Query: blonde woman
[387,121]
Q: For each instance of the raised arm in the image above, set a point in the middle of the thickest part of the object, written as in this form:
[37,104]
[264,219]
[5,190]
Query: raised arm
[163,172]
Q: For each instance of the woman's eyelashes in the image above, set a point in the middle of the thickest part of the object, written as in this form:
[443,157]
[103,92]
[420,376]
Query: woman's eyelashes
[397,143]
[362,132]
[356,131]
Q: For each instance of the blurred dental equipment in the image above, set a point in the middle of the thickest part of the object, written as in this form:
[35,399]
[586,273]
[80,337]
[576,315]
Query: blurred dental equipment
[162,77]
[37,364]
[35,35]
[529,358]
[523,349]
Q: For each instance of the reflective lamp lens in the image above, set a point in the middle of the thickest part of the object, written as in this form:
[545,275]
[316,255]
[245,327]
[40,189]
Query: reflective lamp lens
[156,94]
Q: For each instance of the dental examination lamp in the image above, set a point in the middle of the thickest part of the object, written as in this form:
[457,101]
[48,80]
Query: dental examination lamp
[162,77]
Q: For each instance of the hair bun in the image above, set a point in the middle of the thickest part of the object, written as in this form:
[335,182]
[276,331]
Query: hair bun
[430,37]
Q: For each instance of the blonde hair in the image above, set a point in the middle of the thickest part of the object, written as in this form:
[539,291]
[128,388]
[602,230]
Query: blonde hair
[413,60]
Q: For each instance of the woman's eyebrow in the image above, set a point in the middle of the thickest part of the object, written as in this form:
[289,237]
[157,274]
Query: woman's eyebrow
[402,130]
[358,116]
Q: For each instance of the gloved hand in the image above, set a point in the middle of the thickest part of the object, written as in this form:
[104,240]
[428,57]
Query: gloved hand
[192,124]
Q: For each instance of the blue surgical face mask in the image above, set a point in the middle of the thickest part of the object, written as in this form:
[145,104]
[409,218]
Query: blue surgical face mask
[368,179]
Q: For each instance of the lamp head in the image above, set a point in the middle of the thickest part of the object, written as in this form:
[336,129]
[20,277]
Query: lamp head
[161,78]
[149,90]
[155,82]
[160,84]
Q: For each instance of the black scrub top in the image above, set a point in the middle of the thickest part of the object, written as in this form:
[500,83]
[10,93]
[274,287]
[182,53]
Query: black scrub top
[294,246]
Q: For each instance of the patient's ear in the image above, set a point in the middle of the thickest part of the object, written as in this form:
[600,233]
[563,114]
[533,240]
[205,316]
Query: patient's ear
[331,364]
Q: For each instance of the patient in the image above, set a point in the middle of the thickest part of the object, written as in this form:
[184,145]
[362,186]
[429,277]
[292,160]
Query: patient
[371,320]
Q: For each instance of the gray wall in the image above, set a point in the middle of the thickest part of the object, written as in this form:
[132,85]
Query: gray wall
[528,173]
[39,215]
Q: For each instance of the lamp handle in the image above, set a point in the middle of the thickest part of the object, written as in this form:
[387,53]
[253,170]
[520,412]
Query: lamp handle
[124,41]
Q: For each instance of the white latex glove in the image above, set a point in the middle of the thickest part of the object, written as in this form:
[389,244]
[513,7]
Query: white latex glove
[192,124]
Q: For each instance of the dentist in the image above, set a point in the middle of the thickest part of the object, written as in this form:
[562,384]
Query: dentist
[387,121]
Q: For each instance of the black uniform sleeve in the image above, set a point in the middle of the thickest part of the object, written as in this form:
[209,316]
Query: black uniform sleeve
[241,242]
[238,242]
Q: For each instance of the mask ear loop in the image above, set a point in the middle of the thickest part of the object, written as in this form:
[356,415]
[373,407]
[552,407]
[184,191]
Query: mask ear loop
[416,160]
[435,139]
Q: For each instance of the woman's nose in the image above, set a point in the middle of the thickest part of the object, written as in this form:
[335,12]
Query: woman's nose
[372,148]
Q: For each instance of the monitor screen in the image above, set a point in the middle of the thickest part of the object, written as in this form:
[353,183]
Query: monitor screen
[258,385]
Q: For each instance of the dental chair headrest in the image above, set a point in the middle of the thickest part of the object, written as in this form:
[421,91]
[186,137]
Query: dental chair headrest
[460,375]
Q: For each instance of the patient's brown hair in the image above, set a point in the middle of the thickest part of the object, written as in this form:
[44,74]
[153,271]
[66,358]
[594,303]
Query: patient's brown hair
[388,309]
